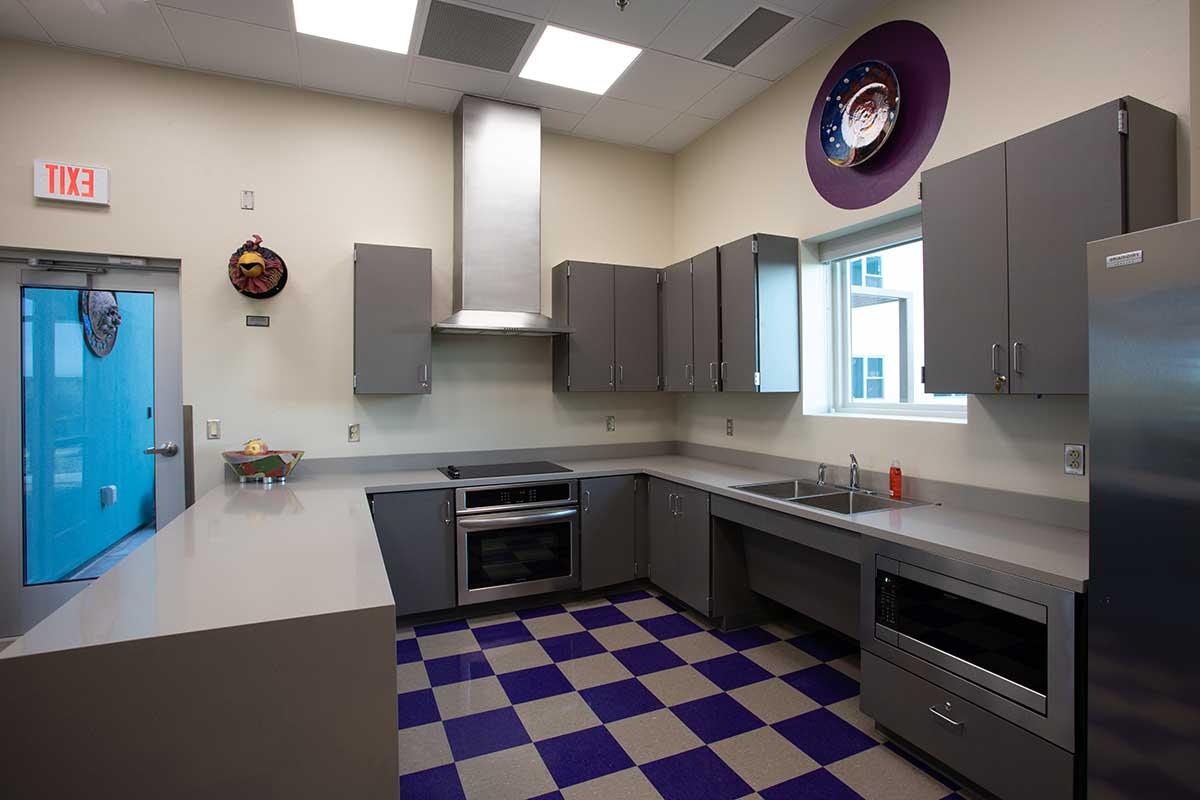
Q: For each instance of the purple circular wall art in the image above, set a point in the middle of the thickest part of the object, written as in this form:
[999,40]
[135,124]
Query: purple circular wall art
[923,71]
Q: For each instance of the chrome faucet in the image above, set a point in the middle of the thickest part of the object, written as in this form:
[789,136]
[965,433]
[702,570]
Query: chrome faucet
[821,473]
[854,487]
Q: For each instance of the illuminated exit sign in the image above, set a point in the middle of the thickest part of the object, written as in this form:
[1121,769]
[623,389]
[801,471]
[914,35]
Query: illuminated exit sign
[54,180]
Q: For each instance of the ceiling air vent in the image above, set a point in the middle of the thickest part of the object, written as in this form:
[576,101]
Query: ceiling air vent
[747,37]
[467,36]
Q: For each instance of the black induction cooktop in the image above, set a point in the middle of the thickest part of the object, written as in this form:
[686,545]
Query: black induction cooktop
[470,472]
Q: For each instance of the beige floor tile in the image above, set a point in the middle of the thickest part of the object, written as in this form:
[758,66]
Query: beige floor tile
[555,625]
[850,665]
[555,716]
[880,774]
[491,619]
[513,657]
[470,697]
[405,633]
[763,758]
[618,637]
[773,700]
[513,774]
[579,605]
[410,677]
[646,608]
[447,644]
[698,647]
[628,784]
[424,747]
[583,673]
[851,712]
[649,737]
[780,658]
[679,685]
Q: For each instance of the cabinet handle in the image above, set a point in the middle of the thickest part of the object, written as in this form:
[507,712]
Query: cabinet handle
[724,370]
[446,513]
[712,375]
[952,725]
[995,359]
[611,372]
[689,373]
[1016,362]
[587,500]
[424,373]
[621,374]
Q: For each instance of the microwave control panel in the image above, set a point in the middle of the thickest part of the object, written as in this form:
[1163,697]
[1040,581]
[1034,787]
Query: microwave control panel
[885,599]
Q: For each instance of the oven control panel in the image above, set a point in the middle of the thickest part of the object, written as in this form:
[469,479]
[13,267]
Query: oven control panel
[515,496]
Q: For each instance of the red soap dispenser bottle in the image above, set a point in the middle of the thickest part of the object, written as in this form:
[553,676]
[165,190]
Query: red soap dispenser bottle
[895,481]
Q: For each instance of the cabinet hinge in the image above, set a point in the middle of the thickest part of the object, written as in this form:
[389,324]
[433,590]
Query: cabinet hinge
[635,569]
[920,190]
[356,380]
[757,377]
[691,269]
[754,245]
[568,381]
[1122,120]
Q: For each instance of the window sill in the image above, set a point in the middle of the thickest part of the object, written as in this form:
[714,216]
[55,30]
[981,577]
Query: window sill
[890,416]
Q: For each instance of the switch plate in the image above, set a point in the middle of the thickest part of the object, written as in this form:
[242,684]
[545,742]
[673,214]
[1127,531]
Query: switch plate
[1075,459]
[353,434]
[729,426]
[108,496]
[610,424]
[212,429]
[247,200]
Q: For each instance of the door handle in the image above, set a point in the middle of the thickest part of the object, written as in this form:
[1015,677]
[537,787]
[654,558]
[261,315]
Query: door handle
[1016,361]
[941,715]
[166,449]
[587,500]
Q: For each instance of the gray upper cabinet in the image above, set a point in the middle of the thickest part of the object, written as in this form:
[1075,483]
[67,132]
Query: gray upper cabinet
[636,323]
[706,330]
[608,530]
[680,543]
[677,350]
[760,314]
[393,319]
[416,538]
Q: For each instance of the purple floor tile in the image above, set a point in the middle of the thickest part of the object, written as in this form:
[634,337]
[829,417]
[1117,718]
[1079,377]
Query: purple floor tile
[600,616]
[731,671]
[826,645]
[489,732]
[434,628]
[717,717]
[823,683]
[815,785]
[647,658]
[671,602]
[407,651]
[439,783]
[928,770]
[629,597]
[694,774]
[534,684]
[454,669]
[745,638]
[614,701]
[551,796]
[582,756]
[541,611]
[502,634]
[670,626]
[823,736]
[416,708]
[571,645]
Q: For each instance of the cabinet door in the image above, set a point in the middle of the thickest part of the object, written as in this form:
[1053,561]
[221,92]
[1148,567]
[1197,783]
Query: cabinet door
[590,315]
[660,517]
[677,327]
[642,491]
[966,273]
[416,537]
[693,549]
[1064,190]
[636,304]
[706,332]
[739,316]
[393,287]
[608,530]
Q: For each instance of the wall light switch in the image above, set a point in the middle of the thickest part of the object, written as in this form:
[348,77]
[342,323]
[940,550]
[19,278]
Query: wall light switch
[610,424]
[729,426]
[108,496]
[1074,459]
[354,435]
[247,200]
[212,429]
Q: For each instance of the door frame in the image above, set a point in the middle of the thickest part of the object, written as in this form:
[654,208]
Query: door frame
[21,606]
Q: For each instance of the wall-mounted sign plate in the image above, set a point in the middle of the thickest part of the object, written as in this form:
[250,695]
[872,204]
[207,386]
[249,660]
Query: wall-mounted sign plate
[1123,259]
[257,321]
[75,183]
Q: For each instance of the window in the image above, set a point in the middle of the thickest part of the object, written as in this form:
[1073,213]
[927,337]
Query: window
[874,272]
[866,384]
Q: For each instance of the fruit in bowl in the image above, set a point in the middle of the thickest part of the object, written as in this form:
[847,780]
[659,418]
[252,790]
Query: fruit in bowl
[256,462]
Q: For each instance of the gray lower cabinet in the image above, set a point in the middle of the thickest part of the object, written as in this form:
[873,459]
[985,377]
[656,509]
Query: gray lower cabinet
[608,530]
[680,543]
[760,314]
[393,319]
[416,537]
[691,334]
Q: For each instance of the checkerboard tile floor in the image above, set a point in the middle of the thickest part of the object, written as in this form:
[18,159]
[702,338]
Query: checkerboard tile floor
[633,696]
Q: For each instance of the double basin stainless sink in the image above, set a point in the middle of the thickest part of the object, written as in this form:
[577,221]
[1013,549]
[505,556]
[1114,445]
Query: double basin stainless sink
[825,496]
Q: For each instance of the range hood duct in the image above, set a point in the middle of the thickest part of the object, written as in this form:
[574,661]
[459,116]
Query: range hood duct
[497,221]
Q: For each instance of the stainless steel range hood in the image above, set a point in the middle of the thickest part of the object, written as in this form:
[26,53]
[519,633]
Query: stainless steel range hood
[497,221]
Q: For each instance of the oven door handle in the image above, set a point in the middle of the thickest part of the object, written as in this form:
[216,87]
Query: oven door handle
[493,521]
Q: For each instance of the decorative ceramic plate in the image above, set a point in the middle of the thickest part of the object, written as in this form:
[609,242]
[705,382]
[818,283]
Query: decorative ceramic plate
[273,464]
[860,113]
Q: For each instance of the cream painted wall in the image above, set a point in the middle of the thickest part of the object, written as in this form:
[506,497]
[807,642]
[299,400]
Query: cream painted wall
[1015,65]
[327,172]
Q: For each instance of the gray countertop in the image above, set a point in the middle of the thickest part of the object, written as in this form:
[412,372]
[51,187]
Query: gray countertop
[246,554]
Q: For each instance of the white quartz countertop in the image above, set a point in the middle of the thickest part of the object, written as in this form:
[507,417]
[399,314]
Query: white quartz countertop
[247,554]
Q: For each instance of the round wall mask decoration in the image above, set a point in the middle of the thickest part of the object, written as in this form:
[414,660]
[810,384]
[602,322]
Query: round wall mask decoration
[257,271]
[861,145]
[99,317]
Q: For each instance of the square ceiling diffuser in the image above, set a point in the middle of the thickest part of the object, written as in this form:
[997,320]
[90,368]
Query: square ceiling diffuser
[381,24]
[578,61]
[469,36]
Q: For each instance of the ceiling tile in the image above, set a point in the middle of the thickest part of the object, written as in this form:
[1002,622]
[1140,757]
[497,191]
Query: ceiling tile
[458,77]
[666,81]
[846,12]
[638,24]
[530,8]
[561,121]
[546,95]
[350,69]
[801,7]
[680,132]
[791,48]
[235,48]
[433,97]
[18,23]
[733,93]
[272,13]
[128,29]
[700,24]
[624,122]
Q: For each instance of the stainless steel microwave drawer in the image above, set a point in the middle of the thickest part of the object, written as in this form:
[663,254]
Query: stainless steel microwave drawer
[997,755]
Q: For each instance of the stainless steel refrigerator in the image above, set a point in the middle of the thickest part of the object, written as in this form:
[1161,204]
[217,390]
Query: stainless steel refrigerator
[1143,628]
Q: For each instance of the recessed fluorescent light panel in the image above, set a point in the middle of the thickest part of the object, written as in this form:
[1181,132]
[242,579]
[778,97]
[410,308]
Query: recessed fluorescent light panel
[578,61]
[381,24]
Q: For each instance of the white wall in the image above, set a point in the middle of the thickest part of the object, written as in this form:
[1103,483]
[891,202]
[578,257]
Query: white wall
[1015,65]
[327,172]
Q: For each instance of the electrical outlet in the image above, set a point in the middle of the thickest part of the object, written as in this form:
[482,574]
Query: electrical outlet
[729,426]
[1074,460]
[212,429]
[354,435]
[610,424]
